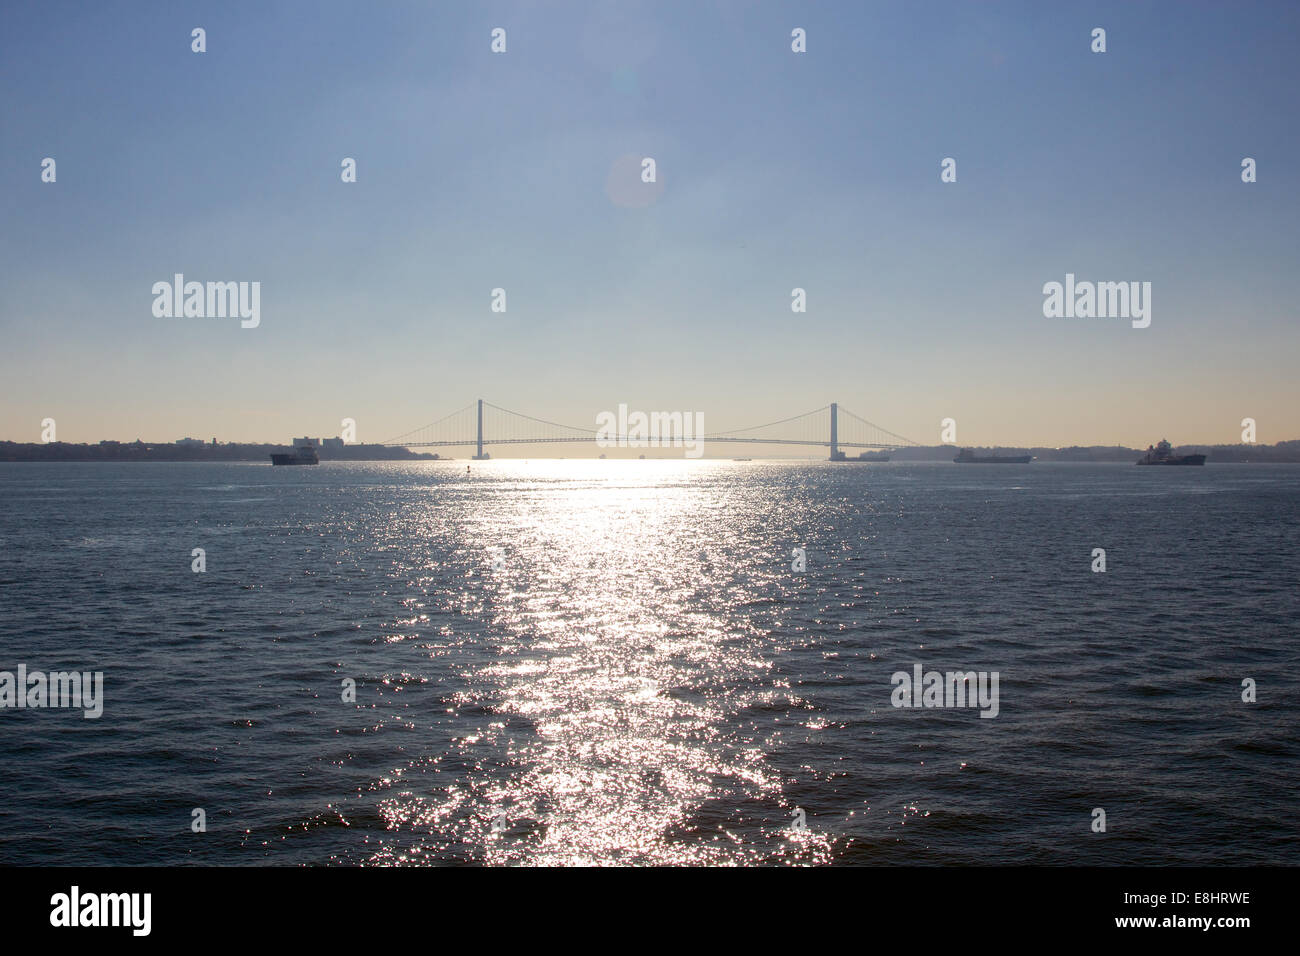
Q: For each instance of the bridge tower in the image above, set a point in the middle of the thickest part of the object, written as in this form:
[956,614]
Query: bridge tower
[836,454]
[479,455]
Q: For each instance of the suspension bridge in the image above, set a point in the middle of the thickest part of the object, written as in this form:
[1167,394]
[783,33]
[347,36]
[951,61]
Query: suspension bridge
[481,425]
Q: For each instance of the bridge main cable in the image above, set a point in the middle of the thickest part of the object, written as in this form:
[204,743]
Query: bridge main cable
[751,428]
[398,439]
[884,431]
[541,421]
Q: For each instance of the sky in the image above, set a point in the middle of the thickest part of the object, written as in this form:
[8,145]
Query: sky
[775,170]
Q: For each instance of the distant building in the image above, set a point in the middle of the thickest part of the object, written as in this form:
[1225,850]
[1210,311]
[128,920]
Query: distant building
[305,441]
[331,442]
[190,442]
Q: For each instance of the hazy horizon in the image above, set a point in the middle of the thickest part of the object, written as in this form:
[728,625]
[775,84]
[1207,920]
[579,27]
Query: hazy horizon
[580,450]
[776,170]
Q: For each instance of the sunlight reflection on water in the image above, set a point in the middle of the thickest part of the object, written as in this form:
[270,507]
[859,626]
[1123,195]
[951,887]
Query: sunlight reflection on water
[622,645]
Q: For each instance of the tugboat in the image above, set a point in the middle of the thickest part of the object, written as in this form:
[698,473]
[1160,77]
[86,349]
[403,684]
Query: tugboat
[967,456]
[1162,454]
[303,454]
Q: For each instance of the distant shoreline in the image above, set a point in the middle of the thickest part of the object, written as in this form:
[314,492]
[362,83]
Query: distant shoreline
[161,451]
[1281,453]
[1287,452]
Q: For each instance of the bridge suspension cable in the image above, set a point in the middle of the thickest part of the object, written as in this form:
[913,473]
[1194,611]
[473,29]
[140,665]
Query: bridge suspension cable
[485,424]
[425,428]
[898,440]
[585,433]
[753,428]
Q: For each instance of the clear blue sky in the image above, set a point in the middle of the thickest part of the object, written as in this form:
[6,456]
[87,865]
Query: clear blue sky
[818,170]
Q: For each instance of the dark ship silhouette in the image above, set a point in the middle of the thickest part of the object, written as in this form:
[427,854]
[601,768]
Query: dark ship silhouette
[301,455]
[1162,454]
[967,456]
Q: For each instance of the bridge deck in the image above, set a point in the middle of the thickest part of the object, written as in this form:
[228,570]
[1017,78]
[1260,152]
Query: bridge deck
[634,443]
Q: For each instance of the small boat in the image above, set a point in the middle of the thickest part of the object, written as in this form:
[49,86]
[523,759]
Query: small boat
[967,456]
[301,455]
[1163,454]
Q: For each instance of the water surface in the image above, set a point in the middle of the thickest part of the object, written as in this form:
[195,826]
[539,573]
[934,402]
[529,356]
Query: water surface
[638,675]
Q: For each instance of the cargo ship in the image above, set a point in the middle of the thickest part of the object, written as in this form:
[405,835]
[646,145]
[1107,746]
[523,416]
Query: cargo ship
[967,456]
[864,456]
[301,455]
[1163,454]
